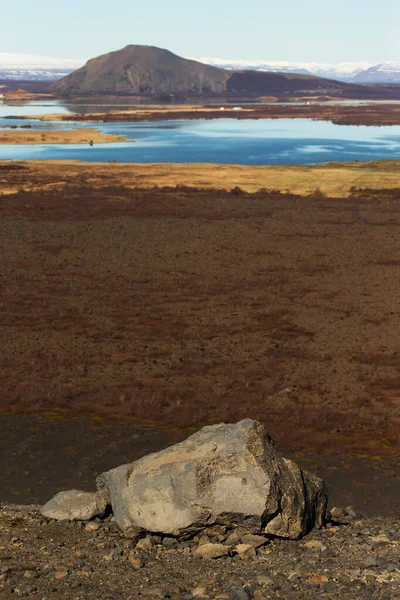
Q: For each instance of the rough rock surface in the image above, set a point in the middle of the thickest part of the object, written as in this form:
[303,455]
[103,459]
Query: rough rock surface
[227,474]
[75,505]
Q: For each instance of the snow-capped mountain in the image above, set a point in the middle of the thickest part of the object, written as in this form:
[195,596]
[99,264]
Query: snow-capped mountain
[383,73]
[28,67]
[357,72]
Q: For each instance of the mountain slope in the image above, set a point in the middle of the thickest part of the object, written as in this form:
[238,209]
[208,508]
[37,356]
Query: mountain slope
[383,73]
[143,70]
[153,71]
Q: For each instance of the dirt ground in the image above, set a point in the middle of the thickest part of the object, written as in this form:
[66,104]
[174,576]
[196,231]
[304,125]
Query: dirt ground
[351,559]
[182,307]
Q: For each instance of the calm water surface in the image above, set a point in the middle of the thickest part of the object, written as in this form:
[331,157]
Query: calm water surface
[249,142]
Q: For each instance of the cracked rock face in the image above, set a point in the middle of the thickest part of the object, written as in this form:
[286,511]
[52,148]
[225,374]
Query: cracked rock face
[228,474]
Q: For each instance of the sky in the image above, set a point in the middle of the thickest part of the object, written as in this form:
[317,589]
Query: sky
[292,30]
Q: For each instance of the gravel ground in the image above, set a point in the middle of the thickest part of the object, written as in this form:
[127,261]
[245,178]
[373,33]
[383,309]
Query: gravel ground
[353,557]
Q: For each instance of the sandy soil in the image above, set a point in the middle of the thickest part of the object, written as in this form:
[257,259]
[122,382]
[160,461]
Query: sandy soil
[187,306]
[57,136]
[342,114]
[333,179]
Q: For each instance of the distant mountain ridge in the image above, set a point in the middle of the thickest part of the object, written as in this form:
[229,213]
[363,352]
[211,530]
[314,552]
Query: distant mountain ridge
[30,67]
[152,71]
[350,72]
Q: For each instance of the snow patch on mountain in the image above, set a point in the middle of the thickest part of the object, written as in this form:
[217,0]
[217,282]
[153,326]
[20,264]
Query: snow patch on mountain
[30,67]
[344,71]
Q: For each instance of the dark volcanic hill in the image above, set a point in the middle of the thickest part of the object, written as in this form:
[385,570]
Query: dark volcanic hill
[152,71]
[143,70]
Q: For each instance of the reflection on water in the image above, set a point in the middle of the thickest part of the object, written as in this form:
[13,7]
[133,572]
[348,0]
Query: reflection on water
[229,141]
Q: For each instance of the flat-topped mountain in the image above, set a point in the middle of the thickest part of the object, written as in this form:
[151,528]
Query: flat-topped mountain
[143,70]
[153,71]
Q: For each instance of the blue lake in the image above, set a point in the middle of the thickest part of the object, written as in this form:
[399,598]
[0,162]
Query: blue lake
[249,142]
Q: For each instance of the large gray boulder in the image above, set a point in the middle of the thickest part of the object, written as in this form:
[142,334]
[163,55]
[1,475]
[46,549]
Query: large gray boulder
[224,474]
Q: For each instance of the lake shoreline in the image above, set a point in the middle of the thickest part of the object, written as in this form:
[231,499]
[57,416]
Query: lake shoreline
[340,114]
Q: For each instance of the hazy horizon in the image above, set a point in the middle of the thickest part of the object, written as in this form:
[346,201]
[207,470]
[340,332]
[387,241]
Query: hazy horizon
[292,31]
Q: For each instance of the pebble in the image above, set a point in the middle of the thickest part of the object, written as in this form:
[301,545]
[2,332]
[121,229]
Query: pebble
[254,540]
[317,580]
[233,539]
[169,542]
[145,544]
[265,580]
[199,592]
[136,561]
[210,551]
[156,592]
[61,574]
[237,593]
[315,545]
[245,551]
[92,526]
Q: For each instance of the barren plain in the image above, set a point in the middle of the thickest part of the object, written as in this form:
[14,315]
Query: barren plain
[186,306]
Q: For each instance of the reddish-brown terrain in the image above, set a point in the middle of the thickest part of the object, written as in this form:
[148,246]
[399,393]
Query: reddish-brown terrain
[187,306]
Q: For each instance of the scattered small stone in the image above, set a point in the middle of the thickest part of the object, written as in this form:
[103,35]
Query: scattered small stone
[145,544]
[233,539]
[169,542]
[380,539]
[203,539]
[92,526]
[136,561]
[199,592]
[254,540]
[265,580]
[237,593]
[61,574]
[315,545]
[156,592]
[210,551]
[245,551]
[317,580]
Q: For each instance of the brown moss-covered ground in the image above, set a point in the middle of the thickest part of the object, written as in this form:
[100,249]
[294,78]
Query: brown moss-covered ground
[185,306]
[341,114]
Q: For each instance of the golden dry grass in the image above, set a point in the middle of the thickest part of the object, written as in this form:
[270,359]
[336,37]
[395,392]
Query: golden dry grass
[56,136]
[333,179]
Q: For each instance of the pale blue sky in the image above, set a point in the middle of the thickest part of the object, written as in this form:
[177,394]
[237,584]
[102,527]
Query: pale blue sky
[297,30]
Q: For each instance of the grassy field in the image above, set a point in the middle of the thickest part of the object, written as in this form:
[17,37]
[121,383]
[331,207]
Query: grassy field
[333,179]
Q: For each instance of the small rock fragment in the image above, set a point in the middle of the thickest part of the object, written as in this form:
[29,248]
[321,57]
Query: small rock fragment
[245,551]
[265,580]
[315,545]
[145,544]
[92,526]
[136,561]
[75,505]
[254,540]
[237,593]
[61,574]
[199,592]
[210,551]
